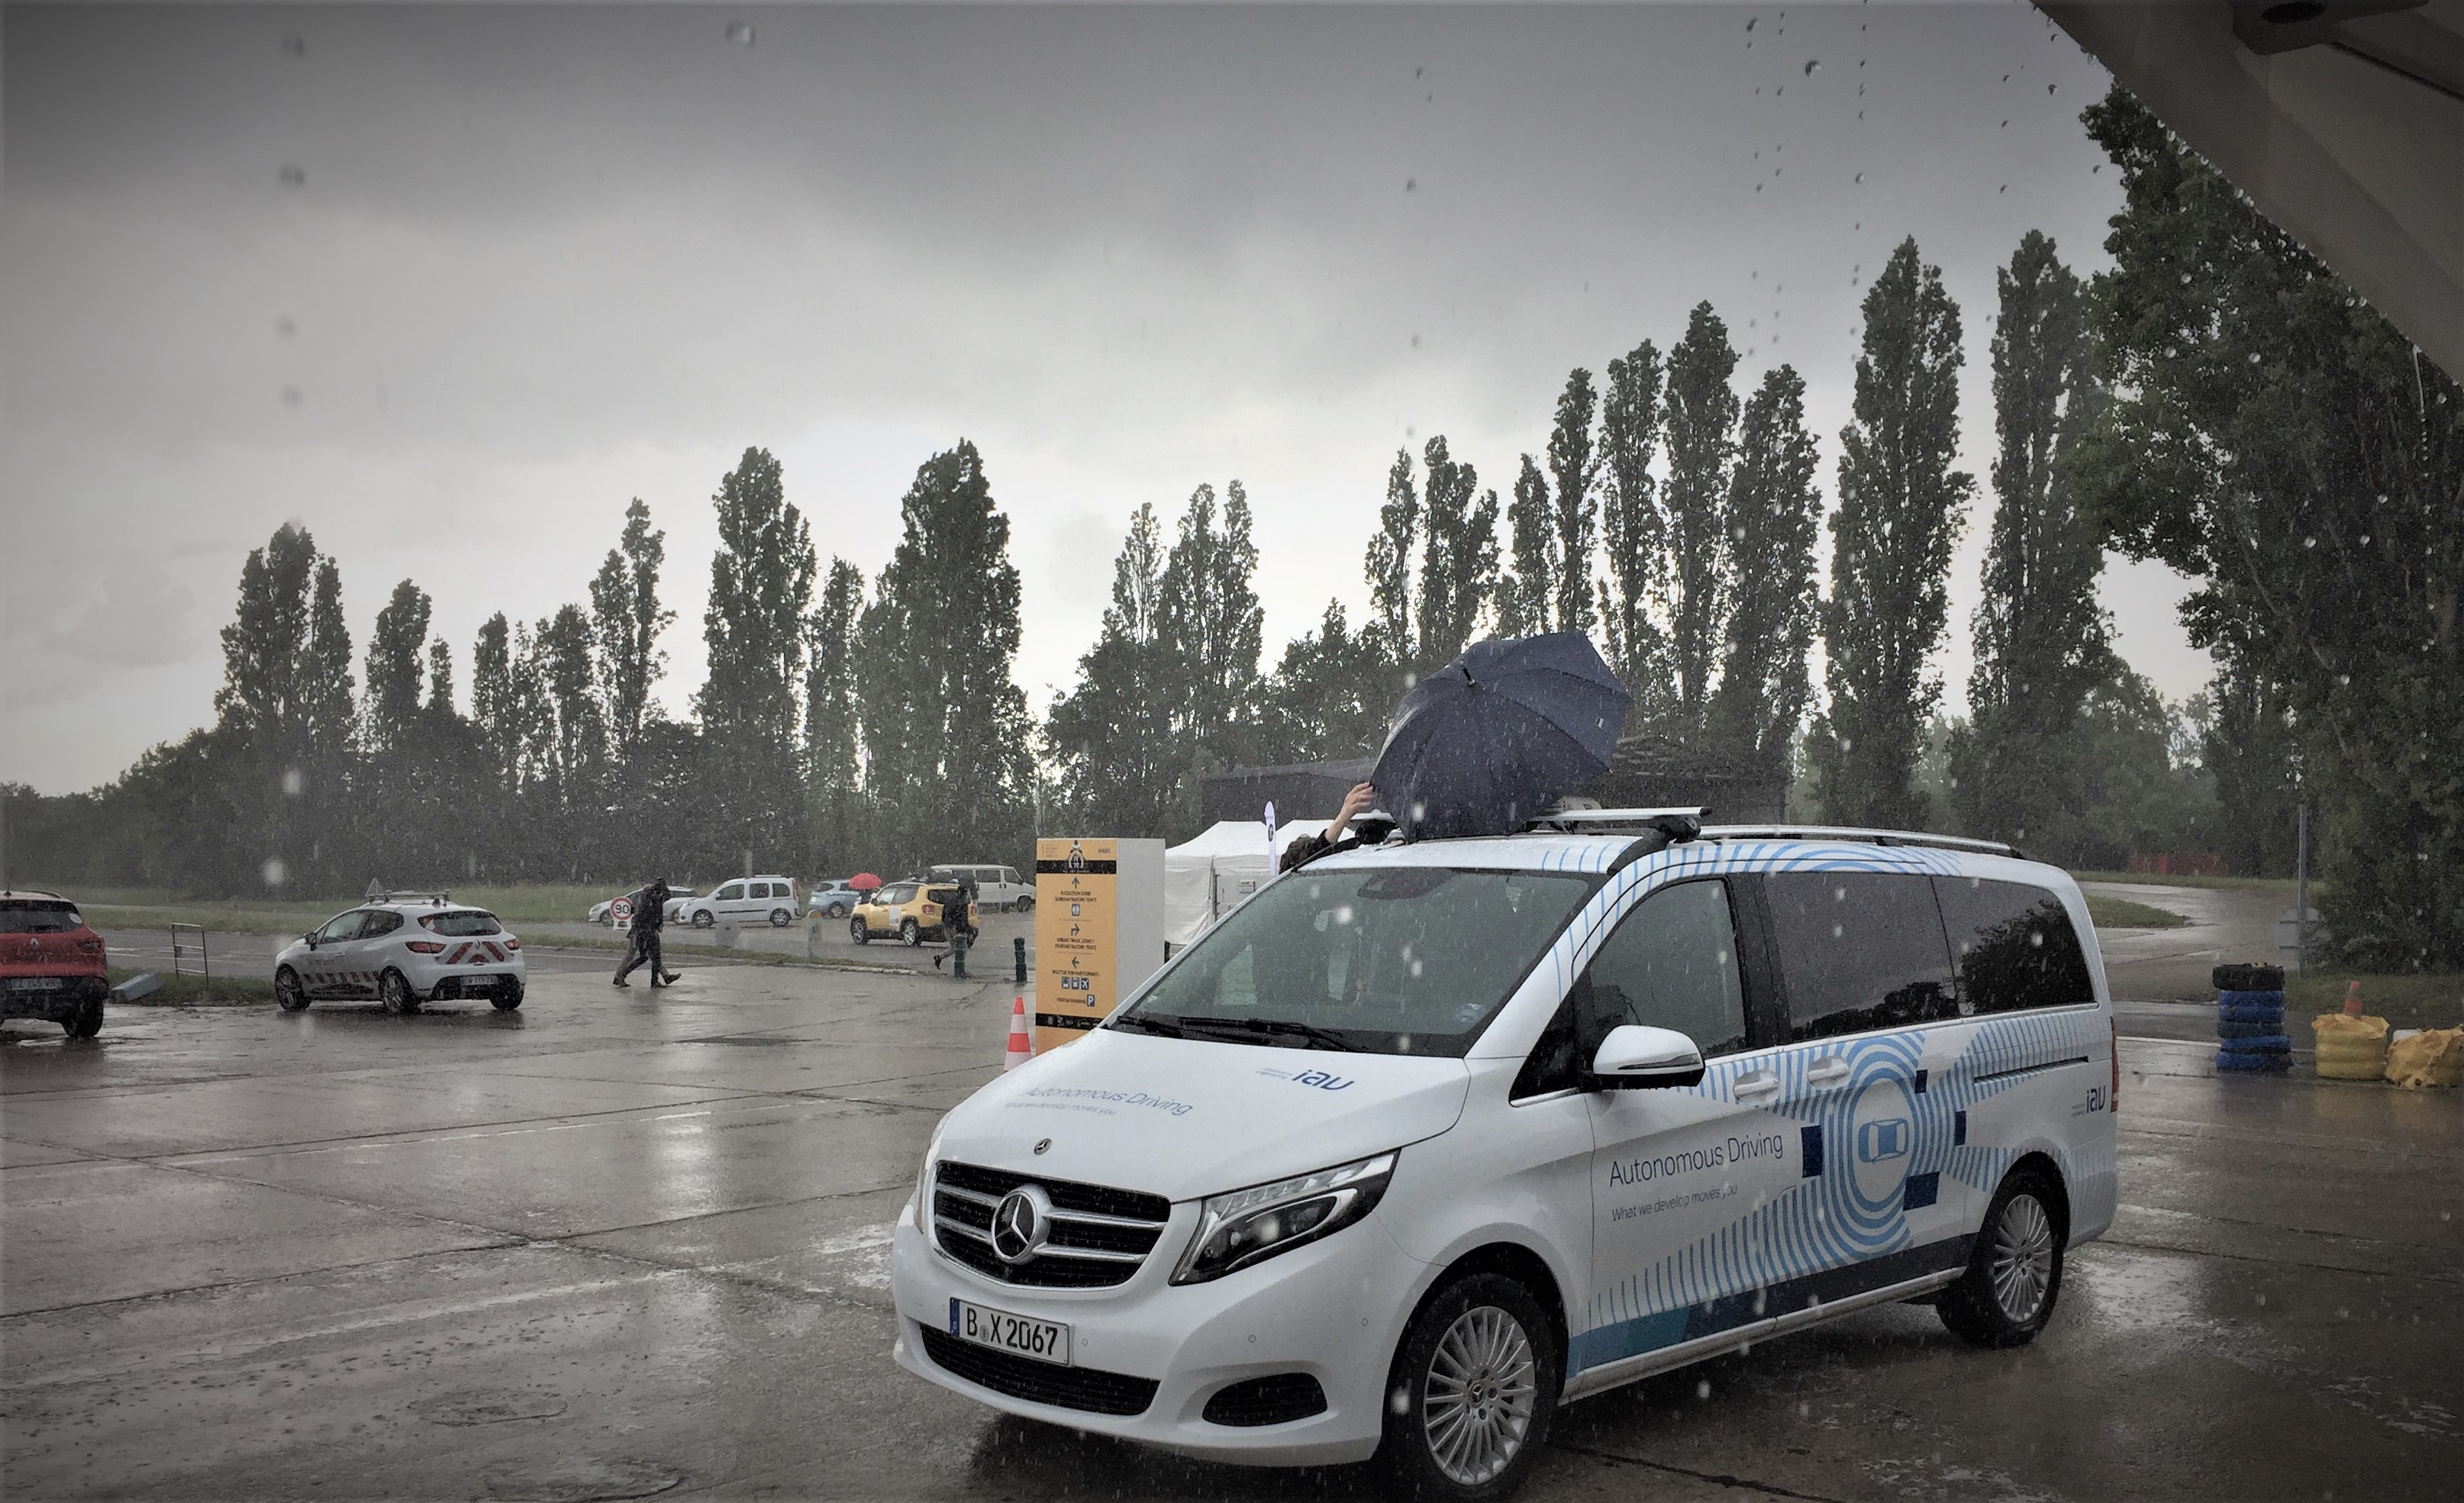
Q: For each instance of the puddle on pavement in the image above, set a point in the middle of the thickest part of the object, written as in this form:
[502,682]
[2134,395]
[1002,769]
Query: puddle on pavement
[580,1479]
[488,1407]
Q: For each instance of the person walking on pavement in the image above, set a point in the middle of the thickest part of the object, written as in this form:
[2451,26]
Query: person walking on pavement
[958,923]
[651,913]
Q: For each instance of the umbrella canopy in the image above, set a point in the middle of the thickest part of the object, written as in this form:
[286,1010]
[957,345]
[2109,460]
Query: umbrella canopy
[1492,739]
[863,881]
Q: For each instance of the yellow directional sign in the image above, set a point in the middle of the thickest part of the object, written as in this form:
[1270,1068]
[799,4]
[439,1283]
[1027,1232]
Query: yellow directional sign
[1077,960]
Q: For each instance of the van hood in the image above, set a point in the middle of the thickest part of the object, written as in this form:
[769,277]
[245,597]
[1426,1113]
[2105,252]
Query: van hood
[1184,1118]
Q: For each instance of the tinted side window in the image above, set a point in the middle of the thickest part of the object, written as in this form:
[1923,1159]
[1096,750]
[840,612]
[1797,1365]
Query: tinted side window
[2014,944]
[1860,950]
[341,926]
[1672,964]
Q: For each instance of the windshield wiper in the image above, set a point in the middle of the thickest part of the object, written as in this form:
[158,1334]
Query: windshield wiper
[1145,1024]
[1278,1027]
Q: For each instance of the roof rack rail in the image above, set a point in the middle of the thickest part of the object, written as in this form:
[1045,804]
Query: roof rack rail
[1677,823]
[1875,837]
[440,899]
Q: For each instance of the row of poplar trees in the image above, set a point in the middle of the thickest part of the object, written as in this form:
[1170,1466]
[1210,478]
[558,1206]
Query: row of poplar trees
[2217,400]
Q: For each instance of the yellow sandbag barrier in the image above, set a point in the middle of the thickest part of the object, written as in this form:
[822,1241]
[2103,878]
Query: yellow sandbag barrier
[2430,1057]
[2351,1047]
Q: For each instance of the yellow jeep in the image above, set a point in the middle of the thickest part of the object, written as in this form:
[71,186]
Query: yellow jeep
[913,912]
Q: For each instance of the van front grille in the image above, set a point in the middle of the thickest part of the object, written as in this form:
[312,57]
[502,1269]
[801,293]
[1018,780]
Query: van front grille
[1099,1236]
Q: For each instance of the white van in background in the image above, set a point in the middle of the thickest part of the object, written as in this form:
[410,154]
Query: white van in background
[1421,1141]
[746,901]
[995,886]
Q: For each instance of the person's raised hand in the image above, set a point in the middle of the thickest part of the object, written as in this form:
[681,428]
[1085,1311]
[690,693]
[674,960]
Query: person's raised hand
[1361,797]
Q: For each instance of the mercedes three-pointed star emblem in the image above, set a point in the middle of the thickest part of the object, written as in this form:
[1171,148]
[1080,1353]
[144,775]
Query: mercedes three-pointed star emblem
[1021,1225]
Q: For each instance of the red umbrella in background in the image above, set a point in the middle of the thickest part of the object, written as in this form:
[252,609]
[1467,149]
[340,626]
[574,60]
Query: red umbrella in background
[863,881]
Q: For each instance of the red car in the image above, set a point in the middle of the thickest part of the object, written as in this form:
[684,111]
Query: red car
[51,965]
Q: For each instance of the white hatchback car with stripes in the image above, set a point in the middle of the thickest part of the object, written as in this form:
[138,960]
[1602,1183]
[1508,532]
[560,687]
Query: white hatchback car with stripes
[1421,1141]
[403,949]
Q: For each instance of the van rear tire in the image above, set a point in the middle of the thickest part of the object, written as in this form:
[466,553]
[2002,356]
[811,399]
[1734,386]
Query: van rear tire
[2014,1275]
[1490,1351]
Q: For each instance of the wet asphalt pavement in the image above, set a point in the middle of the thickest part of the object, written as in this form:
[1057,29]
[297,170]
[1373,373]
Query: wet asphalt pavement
[626,1243]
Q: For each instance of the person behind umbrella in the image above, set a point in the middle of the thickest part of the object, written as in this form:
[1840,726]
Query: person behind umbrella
[649,915]
[1373,831]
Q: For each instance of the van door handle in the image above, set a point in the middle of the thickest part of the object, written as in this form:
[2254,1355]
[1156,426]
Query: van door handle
[1755,1083]
[1828,1070]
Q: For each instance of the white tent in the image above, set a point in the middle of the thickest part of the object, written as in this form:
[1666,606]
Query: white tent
[1207,877]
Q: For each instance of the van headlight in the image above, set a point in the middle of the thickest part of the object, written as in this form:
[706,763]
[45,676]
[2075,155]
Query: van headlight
[919,1201]
[1251,1226]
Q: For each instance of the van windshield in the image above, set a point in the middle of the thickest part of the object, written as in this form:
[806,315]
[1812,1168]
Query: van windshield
[1384,959]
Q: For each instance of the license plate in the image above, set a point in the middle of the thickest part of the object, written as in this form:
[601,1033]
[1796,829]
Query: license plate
[1045,1340]
[35,983]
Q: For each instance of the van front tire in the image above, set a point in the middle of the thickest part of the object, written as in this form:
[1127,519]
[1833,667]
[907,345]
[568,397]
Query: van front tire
[1470,1396]
[2015,1273]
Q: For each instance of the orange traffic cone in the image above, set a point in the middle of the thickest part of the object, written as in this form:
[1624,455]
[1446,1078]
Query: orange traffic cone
[2353,1000]
[1021,1043]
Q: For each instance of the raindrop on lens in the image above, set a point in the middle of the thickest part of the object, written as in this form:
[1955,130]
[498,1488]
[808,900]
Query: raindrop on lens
[294,177]
[740,33]
[1703,1388]
[274,872]
[292,782]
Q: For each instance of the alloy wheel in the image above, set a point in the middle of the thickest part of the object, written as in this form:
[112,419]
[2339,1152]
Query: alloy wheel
[1482,1391]
[2022,1260]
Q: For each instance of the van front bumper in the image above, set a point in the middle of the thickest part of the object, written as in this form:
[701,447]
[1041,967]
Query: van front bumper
[1333,1310]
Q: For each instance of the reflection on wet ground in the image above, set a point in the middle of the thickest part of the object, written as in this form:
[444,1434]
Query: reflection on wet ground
[626,1244]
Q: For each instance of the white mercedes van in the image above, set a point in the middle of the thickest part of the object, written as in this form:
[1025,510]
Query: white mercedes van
[1422,1141]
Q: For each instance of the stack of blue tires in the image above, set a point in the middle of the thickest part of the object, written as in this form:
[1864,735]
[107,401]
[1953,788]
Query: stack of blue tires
[2250,1020]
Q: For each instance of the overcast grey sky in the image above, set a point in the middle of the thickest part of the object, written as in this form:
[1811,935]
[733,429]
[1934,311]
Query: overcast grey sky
[535,261]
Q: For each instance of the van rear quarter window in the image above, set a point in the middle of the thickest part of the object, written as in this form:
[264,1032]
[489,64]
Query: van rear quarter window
[2014,944]
[1860,950]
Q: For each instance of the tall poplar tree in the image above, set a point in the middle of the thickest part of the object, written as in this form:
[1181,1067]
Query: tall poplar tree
[1526,596]
[1574,519]
[1213,624]
[564,644]
[2041,640]
[1389,564]
[1775,511]
[1701,421]
[1900,509]
[1459,561]
[394,668]
[493,708]
[760,585]
[1112,739]
[832,745]
[944,724]
[1631,528]
[627,619]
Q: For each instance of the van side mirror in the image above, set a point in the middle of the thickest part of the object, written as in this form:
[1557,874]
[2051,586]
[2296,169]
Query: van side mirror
[1634,1058]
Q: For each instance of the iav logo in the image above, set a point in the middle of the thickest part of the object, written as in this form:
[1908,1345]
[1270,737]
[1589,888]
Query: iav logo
[1321,1079]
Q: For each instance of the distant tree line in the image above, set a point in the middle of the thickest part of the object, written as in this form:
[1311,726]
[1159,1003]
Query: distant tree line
[2217,400]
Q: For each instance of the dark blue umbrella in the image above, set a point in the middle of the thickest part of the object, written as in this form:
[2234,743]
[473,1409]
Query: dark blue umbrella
[1490,740]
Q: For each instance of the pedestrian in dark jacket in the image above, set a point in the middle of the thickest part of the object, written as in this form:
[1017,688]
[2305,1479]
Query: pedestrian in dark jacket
[650,916]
